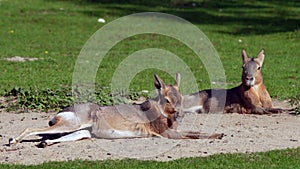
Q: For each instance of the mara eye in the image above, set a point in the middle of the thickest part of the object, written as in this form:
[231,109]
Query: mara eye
[258,68]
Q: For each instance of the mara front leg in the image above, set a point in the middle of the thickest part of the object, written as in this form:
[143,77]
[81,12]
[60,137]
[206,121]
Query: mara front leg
[173,134]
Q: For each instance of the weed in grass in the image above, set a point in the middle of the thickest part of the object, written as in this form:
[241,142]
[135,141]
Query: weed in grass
[295,101]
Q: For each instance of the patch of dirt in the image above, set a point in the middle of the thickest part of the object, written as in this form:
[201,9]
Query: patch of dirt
[243,133]
[22,59]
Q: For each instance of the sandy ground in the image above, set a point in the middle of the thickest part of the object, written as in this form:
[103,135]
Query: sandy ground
[243,133]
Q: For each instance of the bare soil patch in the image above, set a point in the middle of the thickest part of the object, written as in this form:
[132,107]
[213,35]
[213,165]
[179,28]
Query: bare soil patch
[243,133]
[22,59]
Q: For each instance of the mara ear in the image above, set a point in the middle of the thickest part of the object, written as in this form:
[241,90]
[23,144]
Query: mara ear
[244,56]
[260,58]
[178,78]
[158,83]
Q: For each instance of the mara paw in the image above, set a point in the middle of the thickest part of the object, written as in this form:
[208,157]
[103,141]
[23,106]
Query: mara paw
[42,144]
[216,136]
[12,141]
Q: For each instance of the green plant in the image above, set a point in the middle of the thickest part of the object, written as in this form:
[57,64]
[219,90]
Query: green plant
[49,99]
[40,99]
[295,101]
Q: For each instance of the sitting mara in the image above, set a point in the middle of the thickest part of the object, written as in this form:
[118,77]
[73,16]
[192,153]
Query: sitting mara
[249,97]
[154,117]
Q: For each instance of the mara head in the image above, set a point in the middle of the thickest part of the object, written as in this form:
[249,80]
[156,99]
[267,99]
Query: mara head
[169,96]
[252,69]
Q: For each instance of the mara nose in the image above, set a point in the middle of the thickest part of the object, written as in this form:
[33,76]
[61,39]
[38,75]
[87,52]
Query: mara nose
[249,78]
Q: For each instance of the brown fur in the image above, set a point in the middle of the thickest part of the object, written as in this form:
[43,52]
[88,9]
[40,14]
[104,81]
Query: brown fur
[249,97]
[154,117]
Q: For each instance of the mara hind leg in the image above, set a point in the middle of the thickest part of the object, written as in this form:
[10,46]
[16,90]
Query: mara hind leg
[64,122]
[74,136]
[261,111]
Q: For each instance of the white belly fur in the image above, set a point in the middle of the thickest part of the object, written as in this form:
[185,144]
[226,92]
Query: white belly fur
[193,109]
[117,134]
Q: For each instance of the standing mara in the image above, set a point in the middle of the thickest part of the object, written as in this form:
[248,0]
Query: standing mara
[249,97]
[154,117]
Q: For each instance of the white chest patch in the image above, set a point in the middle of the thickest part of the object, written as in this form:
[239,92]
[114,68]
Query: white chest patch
[255,87]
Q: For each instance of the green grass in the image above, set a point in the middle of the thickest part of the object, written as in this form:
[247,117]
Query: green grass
[277,159]
[62,28]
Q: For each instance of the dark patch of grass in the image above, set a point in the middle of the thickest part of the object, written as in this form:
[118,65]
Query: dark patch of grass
[243,17]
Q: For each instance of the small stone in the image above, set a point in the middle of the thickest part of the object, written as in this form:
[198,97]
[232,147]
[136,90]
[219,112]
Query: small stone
[101,20]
